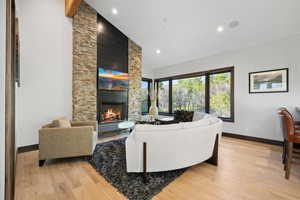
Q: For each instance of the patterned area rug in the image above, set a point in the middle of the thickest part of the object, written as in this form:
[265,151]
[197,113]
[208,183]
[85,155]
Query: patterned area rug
[109,160]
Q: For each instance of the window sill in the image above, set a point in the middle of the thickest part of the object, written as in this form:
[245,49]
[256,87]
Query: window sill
[165,114]
[227,119]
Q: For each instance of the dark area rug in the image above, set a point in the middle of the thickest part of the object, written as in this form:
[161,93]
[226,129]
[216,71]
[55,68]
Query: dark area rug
[109,159]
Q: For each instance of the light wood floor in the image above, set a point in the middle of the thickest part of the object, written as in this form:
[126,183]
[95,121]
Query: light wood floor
[246,171]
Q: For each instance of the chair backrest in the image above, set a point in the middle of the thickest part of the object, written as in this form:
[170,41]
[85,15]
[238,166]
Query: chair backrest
[288,124]
[282,122]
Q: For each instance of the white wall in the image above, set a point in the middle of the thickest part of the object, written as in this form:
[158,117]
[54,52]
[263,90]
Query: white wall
[255,114]
[2,96]
[46,67]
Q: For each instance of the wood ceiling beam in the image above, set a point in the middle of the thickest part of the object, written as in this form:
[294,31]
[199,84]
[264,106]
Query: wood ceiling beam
[71,7]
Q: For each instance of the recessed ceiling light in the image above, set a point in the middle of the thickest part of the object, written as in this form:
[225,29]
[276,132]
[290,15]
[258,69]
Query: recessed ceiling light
[114,11]
[158,51]
[220,29]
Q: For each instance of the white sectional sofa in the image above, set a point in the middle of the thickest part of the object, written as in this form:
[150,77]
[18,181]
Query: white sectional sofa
[154,148]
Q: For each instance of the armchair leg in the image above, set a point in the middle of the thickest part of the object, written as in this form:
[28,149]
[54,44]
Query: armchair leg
[214,159]
[284,154]
[284,151]
[289,160]
[41,163]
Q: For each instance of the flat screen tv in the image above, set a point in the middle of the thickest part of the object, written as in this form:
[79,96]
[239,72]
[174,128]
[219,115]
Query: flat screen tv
[112,79]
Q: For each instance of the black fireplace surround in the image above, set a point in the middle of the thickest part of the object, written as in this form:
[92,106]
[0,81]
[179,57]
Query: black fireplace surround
[116,101]
[112,54]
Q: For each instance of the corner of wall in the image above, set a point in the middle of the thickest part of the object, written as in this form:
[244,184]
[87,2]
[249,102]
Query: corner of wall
[2,96]
[135,78]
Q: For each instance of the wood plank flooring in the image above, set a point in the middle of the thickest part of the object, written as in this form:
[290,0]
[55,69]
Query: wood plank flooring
[246,171]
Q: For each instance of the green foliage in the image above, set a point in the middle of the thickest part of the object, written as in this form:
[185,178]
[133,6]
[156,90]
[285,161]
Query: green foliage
[220,103]
[188,94]
[192,84]
[220,79]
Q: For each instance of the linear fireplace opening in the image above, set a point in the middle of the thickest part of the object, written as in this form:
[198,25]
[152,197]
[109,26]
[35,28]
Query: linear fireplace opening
[112,112]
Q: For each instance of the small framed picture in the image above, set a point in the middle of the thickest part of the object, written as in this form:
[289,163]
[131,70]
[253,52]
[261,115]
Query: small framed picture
[270,81]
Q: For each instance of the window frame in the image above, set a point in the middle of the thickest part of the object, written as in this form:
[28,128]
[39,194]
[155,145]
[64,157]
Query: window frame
[173,79]
[149,81]
[170,96]
[206,74]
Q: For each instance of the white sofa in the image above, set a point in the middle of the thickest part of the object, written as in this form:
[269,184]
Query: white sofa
[174,146]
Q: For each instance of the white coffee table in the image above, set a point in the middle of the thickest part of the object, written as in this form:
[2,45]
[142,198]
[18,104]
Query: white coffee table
[165,118]
[126,125]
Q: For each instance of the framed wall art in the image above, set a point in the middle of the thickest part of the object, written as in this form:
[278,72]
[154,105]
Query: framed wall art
[270,81]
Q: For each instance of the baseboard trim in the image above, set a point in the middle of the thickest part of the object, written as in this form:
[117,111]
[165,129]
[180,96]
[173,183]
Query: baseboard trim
[254,139]
[225,134]
[28,148]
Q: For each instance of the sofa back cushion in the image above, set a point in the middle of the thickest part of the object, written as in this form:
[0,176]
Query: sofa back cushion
[200,115]
[153,128]
[183,116]
[199,123]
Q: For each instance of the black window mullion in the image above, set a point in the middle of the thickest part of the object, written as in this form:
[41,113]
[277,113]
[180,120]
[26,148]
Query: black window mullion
[207,93]
[149,90]
[232,95]
[157,99]
[170,97]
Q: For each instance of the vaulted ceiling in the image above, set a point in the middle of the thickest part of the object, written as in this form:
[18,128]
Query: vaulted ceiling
[187,30]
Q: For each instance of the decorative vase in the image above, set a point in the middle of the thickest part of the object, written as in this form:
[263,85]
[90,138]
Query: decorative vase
[153,110]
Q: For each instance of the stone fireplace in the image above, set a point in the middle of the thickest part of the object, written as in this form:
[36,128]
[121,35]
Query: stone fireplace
[109,104]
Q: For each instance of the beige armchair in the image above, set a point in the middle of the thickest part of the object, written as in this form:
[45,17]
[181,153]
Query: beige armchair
[78,140]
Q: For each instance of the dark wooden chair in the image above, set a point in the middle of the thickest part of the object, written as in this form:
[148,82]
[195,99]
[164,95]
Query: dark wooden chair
[291,135]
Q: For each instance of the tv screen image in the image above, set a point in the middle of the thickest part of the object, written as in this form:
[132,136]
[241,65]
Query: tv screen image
[112,79]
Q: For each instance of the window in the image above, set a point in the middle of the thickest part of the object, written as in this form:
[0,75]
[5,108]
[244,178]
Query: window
[210,92]
[219,92]
[145,98]
[188,94]
[163,97]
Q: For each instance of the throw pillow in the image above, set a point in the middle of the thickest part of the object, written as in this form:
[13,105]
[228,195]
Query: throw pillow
[183,116]
[62,122]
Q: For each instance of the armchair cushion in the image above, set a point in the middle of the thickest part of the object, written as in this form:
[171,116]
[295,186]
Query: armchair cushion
[62,122]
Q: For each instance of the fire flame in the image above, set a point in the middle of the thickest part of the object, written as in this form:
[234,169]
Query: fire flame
[109,114]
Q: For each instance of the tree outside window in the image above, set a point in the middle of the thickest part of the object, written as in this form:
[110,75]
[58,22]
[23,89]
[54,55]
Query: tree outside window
[188,94]
[219,101]
[163,96]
